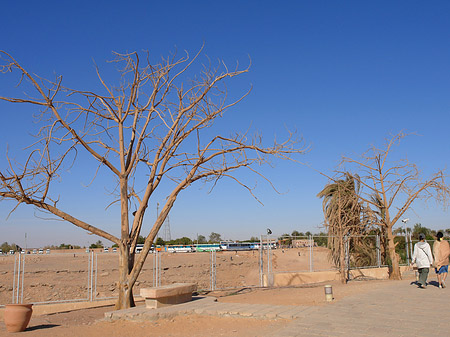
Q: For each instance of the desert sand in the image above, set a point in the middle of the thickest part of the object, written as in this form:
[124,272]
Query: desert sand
[56,277]
[64,276]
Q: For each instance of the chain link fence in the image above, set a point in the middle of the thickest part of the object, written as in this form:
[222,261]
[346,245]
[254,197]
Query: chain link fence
[83,276]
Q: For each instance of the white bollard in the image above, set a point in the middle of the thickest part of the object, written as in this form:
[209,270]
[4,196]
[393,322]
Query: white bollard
[328,293]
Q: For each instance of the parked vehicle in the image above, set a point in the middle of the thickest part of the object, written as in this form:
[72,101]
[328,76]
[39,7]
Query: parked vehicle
[180,248]
[207,247]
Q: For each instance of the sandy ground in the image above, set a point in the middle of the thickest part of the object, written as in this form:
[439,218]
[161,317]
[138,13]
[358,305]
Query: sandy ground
[88,322]
[58,276]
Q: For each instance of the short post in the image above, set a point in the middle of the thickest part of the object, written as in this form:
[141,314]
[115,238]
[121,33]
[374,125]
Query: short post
[378,244]
[14,279]
[23,276]
[410,244]
[213,270]
[89,276]
[328,293]
[261,262]
[96,277]
[407,247]
[91,290]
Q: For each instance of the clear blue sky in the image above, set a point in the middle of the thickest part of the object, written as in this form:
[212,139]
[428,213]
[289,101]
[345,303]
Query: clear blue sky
[344,73]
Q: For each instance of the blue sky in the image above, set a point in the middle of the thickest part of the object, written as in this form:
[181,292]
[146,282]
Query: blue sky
[345,74]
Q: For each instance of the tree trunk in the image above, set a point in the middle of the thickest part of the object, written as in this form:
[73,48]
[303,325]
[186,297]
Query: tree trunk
[394,272]
[126,261]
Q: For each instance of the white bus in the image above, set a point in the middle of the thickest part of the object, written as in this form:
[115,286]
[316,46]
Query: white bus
[180,248]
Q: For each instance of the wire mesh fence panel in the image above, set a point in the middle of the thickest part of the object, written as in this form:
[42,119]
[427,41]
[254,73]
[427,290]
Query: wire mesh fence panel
[6,278]
[191,267]
[105,275]
[293,254]
[149,276]
[362,251]
[236,269]
[321,254]
[401,249]
[51,277]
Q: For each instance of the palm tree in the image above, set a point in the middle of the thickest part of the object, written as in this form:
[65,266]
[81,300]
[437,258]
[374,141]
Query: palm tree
[344,216]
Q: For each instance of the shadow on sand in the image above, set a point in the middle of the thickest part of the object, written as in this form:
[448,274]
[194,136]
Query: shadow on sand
[430,283]
[41,326]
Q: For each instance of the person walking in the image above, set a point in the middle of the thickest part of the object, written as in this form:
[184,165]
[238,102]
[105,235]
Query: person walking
[441,252]
[423,258]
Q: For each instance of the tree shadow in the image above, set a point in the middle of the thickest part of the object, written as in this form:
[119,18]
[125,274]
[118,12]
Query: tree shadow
[41,326]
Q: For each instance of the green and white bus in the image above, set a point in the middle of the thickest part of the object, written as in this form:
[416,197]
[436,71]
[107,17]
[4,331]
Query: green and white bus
[207,247]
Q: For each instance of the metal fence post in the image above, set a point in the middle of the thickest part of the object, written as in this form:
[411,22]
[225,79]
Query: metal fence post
[269,262]
[378,243]
[14,279]
[213,270]
[19,270]
[347,252]
[159,267]
[92,276]
[96,277]
[261,262]
[411,245]
[23,276]
[407,248]
[18,279]
[89,274]
[155,270]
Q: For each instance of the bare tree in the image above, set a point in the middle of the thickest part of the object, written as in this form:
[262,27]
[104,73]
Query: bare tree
[154,127]
[390,189]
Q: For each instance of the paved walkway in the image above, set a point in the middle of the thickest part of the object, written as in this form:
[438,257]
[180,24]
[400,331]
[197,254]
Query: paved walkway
[396,309]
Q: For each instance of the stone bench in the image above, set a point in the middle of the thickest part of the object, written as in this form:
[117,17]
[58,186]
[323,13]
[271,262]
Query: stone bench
[157,297]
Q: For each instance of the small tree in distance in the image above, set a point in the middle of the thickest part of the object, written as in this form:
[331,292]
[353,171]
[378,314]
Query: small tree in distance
[98,244]
[160,242]
[214,237]
[153,131]
[201,239]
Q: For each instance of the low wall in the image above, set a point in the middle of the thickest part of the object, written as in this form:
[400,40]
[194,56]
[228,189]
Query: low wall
[293,279]
[53,308]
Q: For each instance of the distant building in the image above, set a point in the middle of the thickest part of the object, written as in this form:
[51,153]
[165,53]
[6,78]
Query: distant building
[302,243]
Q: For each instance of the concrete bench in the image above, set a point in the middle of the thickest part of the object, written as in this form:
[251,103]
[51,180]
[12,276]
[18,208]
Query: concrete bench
[157,297]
